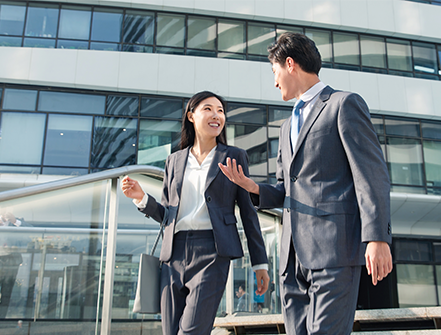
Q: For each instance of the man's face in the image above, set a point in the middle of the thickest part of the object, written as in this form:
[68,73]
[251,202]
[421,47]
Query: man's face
[283,80]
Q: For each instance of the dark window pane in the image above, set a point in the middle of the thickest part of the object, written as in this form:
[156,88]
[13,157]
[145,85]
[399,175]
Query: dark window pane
[437,249]
[260,36]
[106,26]
[378,124]
[7,41]
[137,48]
[24,100]
[170,30]
[161,108]
[373,51]
[277,115]
[68,140]
[432,160]
[157,140]
[346,49]
[71,103]
[39,43]
[139,27]
[402,127]
[245,113]
[411,250]
[169,51]
[399,55]
[42,21]
[201,33]
[104,46]
[322,40]
[12,17]
[114,141]
[431,129]
[65,171]
[405,161]
[424,57]
[64,44]
[74,23]
[231,36]
[118,105]
[201,53]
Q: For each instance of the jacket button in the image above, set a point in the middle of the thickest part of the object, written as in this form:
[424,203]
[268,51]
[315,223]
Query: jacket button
[287,210]
[208,199]
[293,179]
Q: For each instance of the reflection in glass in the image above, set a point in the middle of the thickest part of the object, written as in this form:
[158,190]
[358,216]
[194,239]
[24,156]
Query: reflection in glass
[322,40]
[7,41]
[71,103]
[157,140]
[24,100]
[137,48]
[74,23]
[283,29]
[424,57]
[402,127]
[260,37]
[114,141]
[12,17]
[431,129]
[231,36]
[139,27]
[432,161]
[120,105]
[170,30]
[405,161]
[373,51]
[68,140]
[104,46]
[42,21]
[416,285]
[201,33]
[66,44]
[17,149]
[377,121]
[253,140]
[106,25]
[413,250]
[277,115]
[399,55]
[245,113]
[161,108]
[19,169]
[346,49]
[39,43]
[273,147]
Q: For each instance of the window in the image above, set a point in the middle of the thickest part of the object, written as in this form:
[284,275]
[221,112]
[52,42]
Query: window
[74,23]
[432,162]
[402,127]
[106,25]
[201,33]
[399,55]
[24,100]
[346,49]
[424,57]
[12,17]
[245,113]
[260,36]
[139,27]
[71,103]
[373,51]
[118,105]
[277,115]
[323,42]
[161,108]
[231,36]
[170,30]
[42,21]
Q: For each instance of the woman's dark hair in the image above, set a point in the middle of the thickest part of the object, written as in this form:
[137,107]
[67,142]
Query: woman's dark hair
[300,48]
[187,131]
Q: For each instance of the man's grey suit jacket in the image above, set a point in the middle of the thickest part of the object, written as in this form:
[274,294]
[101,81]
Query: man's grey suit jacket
[221,196]
[334,187]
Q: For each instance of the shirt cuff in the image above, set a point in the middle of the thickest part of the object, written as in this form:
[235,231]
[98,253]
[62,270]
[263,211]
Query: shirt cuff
[260,267]
[141,204]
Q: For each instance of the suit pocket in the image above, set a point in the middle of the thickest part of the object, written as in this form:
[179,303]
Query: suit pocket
[335,207]
[230,219]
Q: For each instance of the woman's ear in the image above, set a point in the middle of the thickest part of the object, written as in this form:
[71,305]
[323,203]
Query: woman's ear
[190,116]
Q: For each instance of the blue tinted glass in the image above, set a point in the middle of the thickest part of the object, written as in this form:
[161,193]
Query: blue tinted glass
[65,171]
[424,57]
[402,127]
[106,27]
[68,140]
[431,129]
[74,23]
[104,46]
[170,30]
[20,99]
[42,21]
[71,103]
[39,43]
[137,48]
[12,18]
[246,113]
[65,44]
[139,27]
[117,105]
[163,108]
[114,142]
[7,41]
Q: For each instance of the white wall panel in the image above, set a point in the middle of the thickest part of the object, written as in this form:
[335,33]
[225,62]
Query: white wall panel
[419,96]
[430,23]
[357,22]
[138,73]
[211,74]
[326,13]
[176,75]
[337,79]
[268,10]
[392,92]
[298,12]
[15,64]
[366,84]
[244,80]
[380,16]
[240,8]
[407,18]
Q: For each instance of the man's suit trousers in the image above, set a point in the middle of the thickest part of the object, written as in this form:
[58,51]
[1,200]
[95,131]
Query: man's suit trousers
[192,284]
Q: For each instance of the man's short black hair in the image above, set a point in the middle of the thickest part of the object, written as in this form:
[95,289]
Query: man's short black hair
[300,48]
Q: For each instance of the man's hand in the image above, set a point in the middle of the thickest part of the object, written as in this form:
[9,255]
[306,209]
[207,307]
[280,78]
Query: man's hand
[131,189]
[234,173]
[378,260]
[262,281]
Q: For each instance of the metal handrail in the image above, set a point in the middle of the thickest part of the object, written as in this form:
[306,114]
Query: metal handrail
[148,170]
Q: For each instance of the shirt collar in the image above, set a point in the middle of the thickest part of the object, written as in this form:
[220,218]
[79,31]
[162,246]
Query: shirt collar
[312,92]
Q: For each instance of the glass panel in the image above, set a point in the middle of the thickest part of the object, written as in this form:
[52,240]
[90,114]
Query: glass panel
[169,51]
[260,37]
[170,30]
[346,49]
[74,172]
[432,160]
[71,103]
[38,43]
[373,51]
[231,36]
[12,17]
[21,139]
[137,48]
[119,105]
[68,140]
[439,59]
[408,189]
[64,44]
[201,53]
[161,108]
[424,57]
[412,250]
[277,115]
[42,21]
[201,33]
[157,140]
[6,41]
[378,124]
[283,29]
[402,127]
[438,276]
[20,169]
[253,139]
[273,147]
[246,113]
[399,55]
[114,142]
[139,27]
[24,100]
[416,285]
[382,141]
[106,25]
[74,23]
[437,249]
[323,42]
[405,161]
[104,46]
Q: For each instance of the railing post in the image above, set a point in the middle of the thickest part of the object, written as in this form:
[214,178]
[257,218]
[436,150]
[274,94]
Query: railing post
[106,318]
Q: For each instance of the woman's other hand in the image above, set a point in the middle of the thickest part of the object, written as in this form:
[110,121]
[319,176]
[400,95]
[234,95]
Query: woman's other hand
[131,189]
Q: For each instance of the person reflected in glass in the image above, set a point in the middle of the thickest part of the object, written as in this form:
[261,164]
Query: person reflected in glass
[242,303]
[200,233]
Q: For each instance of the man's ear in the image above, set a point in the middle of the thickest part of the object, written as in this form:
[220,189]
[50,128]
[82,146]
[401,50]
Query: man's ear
[290,64]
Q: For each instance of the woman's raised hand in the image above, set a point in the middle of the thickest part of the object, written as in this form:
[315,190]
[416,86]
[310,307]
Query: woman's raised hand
[131,188]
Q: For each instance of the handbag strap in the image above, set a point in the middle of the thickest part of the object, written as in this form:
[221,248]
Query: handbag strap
[161,231]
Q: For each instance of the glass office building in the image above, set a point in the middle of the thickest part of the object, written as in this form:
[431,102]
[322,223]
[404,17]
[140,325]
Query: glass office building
[90,88]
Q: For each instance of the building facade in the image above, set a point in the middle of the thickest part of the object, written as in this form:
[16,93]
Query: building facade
[87,86]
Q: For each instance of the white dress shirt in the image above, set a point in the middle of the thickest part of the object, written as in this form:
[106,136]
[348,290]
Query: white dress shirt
[310,97]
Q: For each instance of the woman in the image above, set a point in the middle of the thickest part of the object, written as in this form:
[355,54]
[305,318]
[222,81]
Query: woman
[200,234]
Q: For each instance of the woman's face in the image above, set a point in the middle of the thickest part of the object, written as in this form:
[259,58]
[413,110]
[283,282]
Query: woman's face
[208,118]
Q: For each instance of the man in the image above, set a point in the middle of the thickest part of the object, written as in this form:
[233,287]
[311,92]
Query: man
[333,186]
[242,303]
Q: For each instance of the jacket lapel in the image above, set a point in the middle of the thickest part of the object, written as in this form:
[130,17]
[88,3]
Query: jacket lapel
[180,164]
[219,157]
